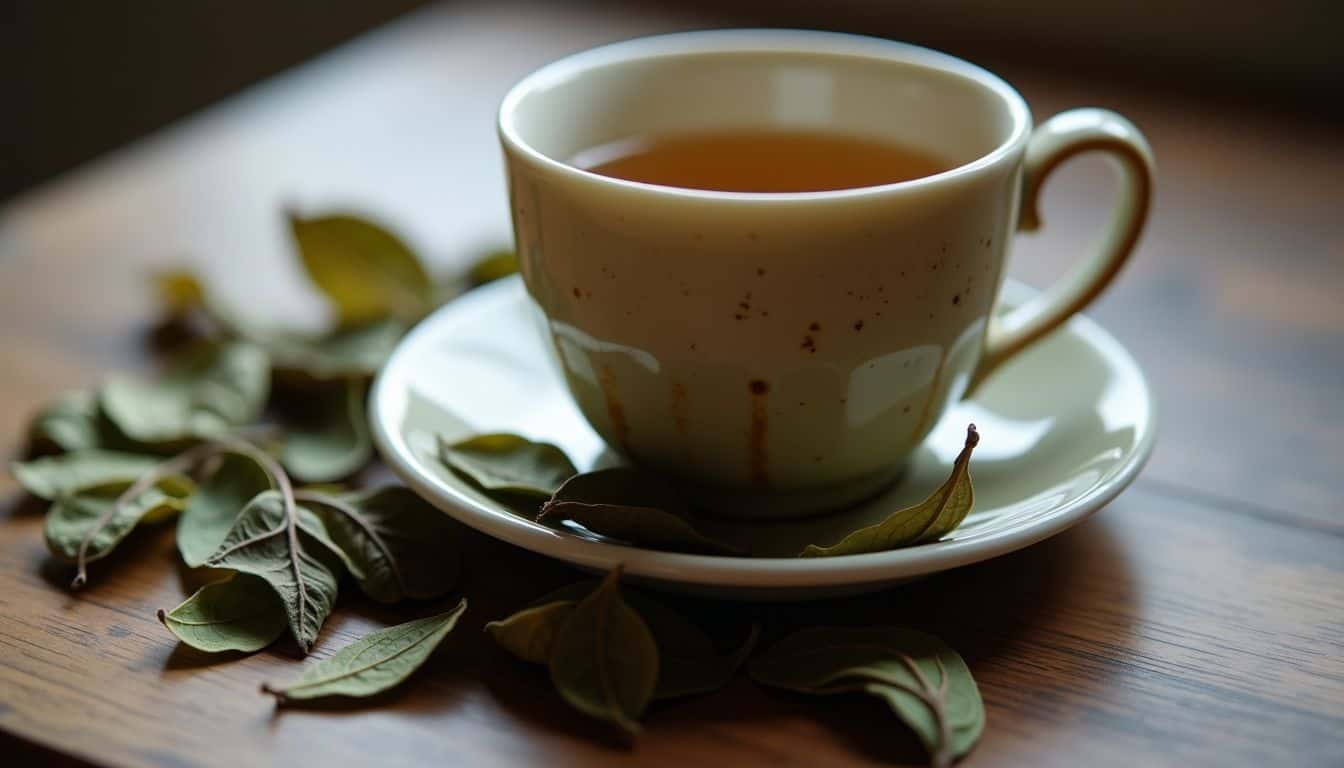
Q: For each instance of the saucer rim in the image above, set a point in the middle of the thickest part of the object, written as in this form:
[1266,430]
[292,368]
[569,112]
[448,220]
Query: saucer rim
[761,573]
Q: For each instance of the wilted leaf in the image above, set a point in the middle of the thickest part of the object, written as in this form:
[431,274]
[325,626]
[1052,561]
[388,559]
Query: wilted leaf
[927,521]
[366,271]
[631,506]
[348,352]
[373,663]
[69,423]
[220,498]
[329,437]
[265,542]
[241,613]
[90,470]
[604,661]
[509,464]
[396,545]
[530,633]
[213,389]
[94,517]
[926,683]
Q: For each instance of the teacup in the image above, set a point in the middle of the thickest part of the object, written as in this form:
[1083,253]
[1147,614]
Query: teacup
[784,353]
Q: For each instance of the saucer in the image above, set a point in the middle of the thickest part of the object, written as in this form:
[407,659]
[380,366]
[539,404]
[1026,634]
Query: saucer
[1064,427]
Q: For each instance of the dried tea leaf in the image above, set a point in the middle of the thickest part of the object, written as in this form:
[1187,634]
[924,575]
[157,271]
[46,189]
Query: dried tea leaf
[604,661]
[217,502]
[505,463]
[357,351]
[373,663]
[208,392]
[926,683]
[179,291]
[632,506]
[330,440]
[267,541]
[90,470]
[93,521]
[492,267]
[688,661]
[395,544]
[366,271]
[530,633]
[68,423]
[241,613]
[927,521]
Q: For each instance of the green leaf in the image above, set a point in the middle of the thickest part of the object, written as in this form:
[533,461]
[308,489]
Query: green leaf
[924,682]
[687,659]
[631,506]
[366,271]
[349,352]
[241,613]
[530,633]
[604,661]
[211,390]
[330,440]
[396,545]
[373,663]
[492,267]
[927,521]
[217,502]
[504,463]
[90,470]
[266,542]
[69,423]
[95,517]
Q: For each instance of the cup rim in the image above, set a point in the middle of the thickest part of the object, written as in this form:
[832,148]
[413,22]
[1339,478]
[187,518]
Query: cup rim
[763,41]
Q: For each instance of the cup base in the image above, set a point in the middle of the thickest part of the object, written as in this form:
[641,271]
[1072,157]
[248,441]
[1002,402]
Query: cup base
[791,504]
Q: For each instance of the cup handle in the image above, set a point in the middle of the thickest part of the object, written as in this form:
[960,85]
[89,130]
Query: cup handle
[1058,139]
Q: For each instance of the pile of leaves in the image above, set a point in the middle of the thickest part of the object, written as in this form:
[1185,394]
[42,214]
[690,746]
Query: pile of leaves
[252,441]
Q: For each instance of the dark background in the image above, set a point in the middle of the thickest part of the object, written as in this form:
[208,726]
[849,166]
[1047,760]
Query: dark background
[80,77]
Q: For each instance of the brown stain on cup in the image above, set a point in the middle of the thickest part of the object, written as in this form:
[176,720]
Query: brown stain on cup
[757,432]
[615,412]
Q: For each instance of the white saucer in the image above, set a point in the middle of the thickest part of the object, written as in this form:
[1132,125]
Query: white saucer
[1064,428]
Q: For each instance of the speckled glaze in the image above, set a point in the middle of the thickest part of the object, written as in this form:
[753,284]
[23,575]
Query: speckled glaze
[1053,450]
[784,353]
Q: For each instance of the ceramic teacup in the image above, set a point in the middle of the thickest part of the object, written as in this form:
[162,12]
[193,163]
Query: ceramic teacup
[783,353]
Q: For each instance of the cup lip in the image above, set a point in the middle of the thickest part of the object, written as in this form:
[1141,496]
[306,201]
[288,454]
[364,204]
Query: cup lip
[694,43]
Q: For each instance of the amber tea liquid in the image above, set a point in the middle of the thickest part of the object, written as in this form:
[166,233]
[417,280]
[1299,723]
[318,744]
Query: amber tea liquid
[760,161]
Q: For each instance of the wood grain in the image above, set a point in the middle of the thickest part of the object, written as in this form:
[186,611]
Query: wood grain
[1197,620]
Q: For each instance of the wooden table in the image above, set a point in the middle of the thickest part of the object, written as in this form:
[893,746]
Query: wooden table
[1197,620]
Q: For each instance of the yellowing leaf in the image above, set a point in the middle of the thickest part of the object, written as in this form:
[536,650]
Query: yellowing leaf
[927,521]
[365,270]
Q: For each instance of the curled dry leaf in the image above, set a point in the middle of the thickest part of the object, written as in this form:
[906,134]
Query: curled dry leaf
[241,613]
[91,470]
[924,682]
[210,391]
[373,663]
[688,662]
[927,521]
[221,496]
[267,541]
[604,661]
[632,506]
[396,545]
[328,439]
[83,527]
[504,463]
[68,423]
